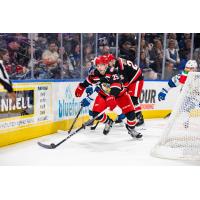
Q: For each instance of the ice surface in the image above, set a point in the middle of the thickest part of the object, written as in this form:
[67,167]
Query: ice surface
[92,148]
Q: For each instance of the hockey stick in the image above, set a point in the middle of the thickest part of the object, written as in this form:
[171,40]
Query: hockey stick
[75,119]
[168,115]
[53,145]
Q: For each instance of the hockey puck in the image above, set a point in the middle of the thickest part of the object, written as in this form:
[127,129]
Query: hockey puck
[53,145]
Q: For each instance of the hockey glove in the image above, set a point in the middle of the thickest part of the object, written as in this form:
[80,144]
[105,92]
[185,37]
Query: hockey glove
[79,90]
[111,102]
[89,90]
[97,89]
[86,101]
[162,94]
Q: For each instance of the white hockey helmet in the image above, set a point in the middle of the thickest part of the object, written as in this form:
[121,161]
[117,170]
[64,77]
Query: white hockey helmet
[191,64]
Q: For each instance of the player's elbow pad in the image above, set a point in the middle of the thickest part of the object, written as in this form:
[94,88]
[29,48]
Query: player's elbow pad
[171,83]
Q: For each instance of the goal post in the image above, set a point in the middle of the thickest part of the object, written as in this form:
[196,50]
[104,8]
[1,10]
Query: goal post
[181,136]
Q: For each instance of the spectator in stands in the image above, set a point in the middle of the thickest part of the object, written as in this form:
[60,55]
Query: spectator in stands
[143,36]
[172,55]
[144,62]
[87,53]
[40,45]
[89,38]
[112,40]
[14,70]
[151,37]
[103,45]
[75,58]
[184,53]
[6,61]
[50,56]
[188,45]
[86,68]
[3,43]
[156,56]
[172,36]
[182,41]
[68,66]
[145,48]
[127,46]
[196,40]
[13,48]
[67,42]
[196,56]
[183,60]
[51,59]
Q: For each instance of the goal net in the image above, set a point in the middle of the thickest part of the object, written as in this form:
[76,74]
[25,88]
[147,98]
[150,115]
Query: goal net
[181,137]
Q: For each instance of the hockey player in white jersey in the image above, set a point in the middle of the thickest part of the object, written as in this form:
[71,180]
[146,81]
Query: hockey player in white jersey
[179,79]
[189,102]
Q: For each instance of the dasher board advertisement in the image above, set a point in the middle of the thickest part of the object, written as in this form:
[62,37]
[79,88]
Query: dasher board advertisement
[33,105]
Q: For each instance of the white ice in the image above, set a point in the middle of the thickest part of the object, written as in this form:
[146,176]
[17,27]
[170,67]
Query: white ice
[92,148]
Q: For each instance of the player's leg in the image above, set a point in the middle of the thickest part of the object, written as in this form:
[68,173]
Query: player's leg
[135,90]
[93,125]
[99,106]
[126,104]
[138,113]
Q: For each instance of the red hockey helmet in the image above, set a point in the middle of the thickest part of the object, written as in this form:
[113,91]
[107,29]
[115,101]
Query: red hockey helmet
[110,57]
[101,60]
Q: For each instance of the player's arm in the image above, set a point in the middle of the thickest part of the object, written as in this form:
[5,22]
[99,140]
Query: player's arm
[173,82]
[90,80]
[115,89]
[7,84]
[90,95]
[4,79]
[130,68]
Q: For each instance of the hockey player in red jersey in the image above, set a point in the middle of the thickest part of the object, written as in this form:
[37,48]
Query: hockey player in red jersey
[110,95]
[132,79]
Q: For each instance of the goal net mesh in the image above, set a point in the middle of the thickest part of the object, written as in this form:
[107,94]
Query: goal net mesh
[181,136]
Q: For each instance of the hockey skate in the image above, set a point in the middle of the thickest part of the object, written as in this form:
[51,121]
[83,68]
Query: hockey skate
[140,119]
[118,121]
[108,126]
[93,127]
[133,132]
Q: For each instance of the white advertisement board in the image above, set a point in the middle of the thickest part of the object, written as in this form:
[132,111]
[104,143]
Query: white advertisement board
[149,96]
[65,104]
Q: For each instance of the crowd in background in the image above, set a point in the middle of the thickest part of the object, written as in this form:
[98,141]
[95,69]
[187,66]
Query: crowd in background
[70,55]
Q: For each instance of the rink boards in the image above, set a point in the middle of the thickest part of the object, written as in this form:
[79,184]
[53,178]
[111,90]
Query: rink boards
[43,107]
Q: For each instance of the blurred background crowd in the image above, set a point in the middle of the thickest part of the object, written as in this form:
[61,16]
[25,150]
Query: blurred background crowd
[70,55]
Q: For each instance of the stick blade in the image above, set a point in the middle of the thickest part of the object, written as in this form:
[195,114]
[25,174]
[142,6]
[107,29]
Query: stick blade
[47,146]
